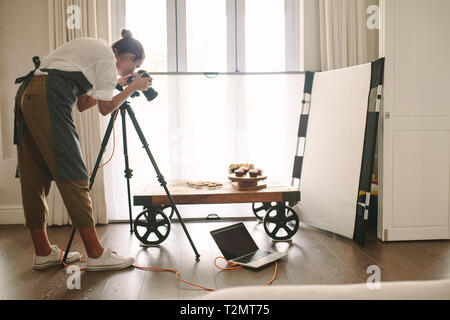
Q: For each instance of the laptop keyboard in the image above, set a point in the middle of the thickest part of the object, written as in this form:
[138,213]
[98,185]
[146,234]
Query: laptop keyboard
[253,256]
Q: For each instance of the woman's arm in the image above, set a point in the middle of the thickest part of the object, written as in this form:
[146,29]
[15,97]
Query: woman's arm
[85,102]
[106,107]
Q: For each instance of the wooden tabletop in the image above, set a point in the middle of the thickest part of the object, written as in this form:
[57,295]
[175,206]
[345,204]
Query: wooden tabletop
[154,194]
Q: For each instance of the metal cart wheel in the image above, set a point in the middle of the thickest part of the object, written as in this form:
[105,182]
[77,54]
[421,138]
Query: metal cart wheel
[260,209]
[152,226]
[281,222]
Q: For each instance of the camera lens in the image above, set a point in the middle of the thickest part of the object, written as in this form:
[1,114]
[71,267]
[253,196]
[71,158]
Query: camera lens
[150,94]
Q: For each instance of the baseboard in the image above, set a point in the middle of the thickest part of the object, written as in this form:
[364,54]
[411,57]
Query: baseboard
[11,215]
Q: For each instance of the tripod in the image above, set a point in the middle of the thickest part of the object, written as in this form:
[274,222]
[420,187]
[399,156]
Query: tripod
[124,109]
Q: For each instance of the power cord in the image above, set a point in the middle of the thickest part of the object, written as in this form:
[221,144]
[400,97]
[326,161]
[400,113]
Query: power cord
[234,266]
[114,141]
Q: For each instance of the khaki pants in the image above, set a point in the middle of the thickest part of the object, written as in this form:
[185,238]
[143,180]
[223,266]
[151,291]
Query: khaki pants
[37,163]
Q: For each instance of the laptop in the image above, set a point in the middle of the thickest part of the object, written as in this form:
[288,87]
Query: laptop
[237,246]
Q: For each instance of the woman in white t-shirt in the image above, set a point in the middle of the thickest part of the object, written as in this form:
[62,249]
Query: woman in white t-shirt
[83,73]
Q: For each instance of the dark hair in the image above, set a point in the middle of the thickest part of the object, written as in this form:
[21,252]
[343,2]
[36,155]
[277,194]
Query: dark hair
[129,45]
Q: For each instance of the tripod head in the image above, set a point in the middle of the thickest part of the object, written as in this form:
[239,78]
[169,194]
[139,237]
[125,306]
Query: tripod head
[150,93]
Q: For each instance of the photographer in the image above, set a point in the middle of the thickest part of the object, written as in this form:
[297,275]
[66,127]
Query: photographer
[82,73]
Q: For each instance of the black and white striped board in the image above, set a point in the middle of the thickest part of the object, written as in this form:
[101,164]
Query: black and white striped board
[335,148]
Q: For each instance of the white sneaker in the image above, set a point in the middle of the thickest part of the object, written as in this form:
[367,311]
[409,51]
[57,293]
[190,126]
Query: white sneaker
[54,258]
[109,260]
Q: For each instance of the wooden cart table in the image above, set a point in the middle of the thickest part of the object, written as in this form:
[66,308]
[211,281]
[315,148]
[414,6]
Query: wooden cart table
[152,226]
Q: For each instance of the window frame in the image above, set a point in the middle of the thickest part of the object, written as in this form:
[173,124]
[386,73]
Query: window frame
[176,36]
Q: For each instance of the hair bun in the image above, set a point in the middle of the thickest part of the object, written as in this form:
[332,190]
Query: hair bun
[126,34]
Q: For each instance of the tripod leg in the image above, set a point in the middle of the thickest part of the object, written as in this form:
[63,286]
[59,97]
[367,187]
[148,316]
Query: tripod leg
[69,244]
[103,147]
[128,171]
[94,172]
[160,176]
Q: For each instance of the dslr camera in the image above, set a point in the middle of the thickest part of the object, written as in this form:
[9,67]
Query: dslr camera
[149,94]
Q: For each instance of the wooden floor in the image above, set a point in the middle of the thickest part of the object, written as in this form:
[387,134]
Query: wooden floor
[314,257]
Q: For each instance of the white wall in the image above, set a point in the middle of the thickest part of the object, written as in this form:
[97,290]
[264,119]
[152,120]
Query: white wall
[23,34]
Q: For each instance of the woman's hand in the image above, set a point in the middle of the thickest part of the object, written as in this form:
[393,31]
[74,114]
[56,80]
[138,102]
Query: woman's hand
[140,83]
[123,81]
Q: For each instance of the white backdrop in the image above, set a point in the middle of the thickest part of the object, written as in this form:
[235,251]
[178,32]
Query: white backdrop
[331,168]
[197,126]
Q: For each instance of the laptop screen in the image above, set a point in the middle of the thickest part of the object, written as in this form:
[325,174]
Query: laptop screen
[234,241]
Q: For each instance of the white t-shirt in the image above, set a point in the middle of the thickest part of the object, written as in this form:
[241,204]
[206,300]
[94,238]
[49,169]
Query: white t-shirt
[93,57]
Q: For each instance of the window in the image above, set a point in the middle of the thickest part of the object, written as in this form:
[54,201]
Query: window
[147,20]
[216,35]
[264,35]
[199,125]
[206,35]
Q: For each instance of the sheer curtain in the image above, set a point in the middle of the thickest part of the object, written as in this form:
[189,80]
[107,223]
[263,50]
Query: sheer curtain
[198,126]
[88,124]
[345,39]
